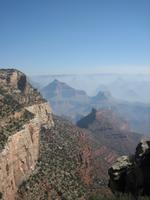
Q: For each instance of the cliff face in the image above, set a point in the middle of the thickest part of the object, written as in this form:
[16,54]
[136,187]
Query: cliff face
[23,114]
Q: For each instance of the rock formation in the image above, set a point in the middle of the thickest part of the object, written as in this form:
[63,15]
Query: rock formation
[131,174]
[23,113]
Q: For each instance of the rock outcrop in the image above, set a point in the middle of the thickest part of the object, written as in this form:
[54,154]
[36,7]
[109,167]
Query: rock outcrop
[23,113]
[131,174]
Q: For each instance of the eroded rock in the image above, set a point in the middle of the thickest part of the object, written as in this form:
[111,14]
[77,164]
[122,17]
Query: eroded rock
[131,174]
[23,114]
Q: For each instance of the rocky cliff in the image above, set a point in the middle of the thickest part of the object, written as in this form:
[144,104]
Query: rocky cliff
[131,174]
[23,113]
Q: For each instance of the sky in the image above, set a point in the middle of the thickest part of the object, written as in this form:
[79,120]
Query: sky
[75,36]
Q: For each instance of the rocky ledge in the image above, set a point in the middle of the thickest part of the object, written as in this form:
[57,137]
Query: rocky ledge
[131,174]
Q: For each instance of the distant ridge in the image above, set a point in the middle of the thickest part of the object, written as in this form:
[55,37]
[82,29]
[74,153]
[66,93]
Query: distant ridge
[73,104]
[110,129]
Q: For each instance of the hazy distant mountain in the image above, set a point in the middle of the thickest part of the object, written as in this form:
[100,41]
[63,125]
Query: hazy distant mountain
[130,90]
[103,99]
[60,89]
[130,87]
[65,100]
[137,114]
[74,104]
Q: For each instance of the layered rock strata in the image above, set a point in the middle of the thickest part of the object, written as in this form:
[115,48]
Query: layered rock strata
[19,133]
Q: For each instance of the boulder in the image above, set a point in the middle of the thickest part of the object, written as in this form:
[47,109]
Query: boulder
[131,174]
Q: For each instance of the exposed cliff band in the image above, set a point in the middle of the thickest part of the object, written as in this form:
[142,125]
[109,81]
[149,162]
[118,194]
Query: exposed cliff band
[21,145]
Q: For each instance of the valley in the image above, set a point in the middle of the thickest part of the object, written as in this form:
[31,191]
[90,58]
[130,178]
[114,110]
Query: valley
[45,156]
[75,100]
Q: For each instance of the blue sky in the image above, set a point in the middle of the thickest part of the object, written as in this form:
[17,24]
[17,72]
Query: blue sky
[75,36]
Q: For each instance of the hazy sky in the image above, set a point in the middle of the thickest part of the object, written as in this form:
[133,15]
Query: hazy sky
[75,36]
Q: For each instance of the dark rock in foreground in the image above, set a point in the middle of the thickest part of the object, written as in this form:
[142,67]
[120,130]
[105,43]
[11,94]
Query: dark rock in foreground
[131,174]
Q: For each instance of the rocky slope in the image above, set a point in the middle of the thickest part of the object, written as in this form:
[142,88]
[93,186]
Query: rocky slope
[110,138]
[64,168]
[68,167]
[111,130]
[23,113]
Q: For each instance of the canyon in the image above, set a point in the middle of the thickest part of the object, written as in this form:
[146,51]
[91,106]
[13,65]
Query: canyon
[74,104]
[44,156]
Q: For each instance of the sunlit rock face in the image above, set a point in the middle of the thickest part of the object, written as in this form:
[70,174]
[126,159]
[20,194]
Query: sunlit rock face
[23,113]
[131,174]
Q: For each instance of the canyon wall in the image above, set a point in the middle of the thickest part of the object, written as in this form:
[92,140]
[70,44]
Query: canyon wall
[20,153]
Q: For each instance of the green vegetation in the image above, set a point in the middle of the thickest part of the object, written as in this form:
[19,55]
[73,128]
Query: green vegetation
[8,105]
[13,125]
[57,170]
[12,113]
